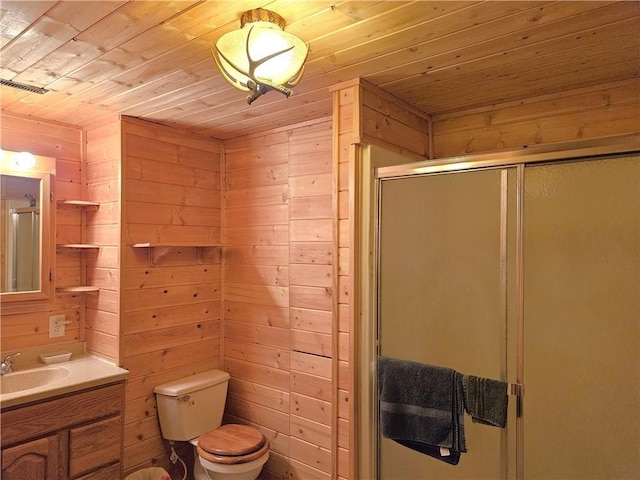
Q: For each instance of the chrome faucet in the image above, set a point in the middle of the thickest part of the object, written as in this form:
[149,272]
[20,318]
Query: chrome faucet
[7,363]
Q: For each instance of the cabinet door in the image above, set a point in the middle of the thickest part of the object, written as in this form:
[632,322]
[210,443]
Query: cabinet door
[94,445]
[36,460]
[107,473]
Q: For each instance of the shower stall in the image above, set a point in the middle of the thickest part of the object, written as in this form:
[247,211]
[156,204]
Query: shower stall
[22,249]
[521,268]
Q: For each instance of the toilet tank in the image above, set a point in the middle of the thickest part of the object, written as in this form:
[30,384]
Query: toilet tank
[193,405]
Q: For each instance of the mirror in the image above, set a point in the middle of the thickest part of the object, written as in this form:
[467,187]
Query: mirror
[26,227]
[21,233]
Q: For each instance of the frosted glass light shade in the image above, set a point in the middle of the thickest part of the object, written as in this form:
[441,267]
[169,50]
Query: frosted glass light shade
[25,160]
[261,56]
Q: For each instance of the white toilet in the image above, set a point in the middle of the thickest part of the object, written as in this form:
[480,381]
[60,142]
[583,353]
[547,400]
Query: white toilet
[191,409]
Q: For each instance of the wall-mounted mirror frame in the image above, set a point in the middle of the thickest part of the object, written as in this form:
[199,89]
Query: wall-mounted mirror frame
[43,170]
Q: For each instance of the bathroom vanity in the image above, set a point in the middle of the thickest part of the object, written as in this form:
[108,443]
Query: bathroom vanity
[67,428]
[75,436]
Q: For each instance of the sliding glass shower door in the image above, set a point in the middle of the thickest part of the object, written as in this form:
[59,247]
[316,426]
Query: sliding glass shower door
[582,320]
[527,273]
[446,273]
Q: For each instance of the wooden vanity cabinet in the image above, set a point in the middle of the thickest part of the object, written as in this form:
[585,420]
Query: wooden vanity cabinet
[35,459]
[78,436]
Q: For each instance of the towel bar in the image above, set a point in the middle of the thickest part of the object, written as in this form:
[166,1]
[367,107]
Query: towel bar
[516,389]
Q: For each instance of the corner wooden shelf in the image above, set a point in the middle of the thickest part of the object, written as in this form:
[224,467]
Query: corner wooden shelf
[79,203]
[83,247]
[78,289]
[177,244]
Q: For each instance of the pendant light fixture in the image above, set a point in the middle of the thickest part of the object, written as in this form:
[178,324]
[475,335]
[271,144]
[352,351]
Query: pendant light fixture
[261,56]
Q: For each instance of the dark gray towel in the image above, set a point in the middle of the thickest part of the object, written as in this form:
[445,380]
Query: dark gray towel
[422,407]
[486,400]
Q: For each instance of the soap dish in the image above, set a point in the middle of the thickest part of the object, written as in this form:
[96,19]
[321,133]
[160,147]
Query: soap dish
[55,357]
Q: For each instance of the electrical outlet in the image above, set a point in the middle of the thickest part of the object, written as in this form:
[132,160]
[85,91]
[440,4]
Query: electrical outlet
[56,325]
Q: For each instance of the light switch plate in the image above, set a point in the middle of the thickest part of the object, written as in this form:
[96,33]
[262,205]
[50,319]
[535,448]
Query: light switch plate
[56,325]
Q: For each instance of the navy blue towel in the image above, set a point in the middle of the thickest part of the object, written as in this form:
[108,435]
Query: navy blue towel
[486,400]
[422,407]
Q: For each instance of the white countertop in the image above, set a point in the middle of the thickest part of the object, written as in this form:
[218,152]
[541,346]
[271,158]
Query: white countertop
[80,372]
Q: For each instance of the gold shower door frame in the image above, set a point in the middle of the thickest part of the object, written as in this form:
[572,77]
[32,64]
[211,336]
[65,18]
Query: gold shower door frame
[367,343]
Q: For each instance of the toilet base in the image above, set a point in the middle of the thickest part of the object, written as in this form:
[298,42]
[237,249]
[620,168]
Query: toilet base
[205,470]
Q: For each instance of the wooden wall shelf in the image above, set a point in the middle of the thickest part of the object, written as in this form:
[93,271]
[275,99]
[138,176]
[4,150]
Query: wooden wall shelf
[82,247]
[79,203]
[178,244]
[166,245]
[78,289]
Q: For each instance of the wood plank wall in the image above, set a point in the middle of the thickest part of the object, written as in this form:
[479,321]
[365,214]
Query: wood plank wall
[169,296]
[586,113]
[363,114]
[26,324]
[279,292]
[102,228]
[345,133]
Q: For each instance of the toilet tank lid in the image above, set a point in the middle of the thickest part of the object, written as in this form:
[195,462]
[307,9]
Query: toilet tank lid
[192,383]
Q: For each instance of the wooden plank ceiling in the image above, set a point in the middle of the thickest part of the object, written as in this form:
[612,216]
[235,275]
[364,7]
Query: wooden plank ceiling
[152,59]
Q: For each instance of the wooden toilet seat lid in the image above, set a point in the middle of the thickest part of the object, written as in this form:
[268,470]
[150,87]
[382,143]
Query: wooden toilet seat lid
[232,440]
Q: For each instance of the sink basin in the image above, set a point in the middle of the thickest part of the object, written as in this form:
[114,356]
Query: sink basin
[29,379]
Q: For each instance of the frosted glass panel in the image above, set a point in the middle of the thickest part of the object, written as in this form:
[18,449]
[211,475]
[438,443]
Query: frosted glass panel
[582,320]
[443,297]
